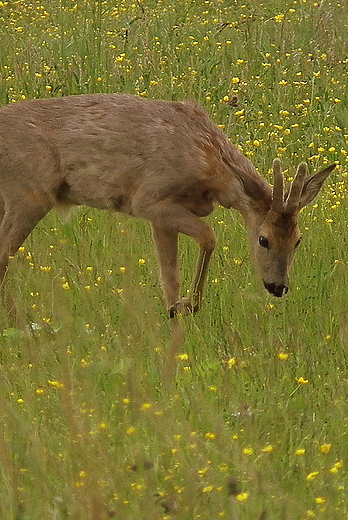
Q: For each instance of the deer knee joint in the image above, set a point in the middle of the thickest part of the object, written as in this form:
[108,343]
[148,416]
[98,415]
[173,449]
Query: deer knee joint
[208,242]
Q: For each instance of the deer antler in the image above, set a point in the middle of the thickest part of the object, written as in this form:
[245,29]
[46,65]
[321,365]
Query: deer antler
[292,203]
[278,187]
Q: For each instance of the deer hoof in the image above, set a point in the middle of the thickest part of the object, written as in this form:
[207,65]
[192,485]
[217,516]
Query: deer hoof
[183,307]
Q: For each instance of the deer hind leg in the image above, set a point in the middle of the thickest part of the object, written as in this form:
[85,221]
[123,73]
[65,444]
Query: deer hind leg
[169,219]
[18,220]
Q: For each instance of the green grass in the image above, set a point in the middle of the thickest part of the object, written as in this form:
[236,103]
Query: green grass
[106,409]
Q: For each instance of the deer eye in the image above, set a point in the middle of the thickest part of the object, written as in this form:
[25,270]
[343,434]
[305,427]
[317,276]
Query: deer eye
[263,242]
[298,242]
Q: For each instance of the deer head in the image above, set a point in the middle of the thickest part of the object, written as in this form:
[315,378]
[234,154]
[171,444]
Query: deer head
[273,230]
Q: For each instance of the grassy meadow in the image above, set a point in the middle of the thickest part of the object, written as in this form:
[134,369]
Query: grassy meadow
[108,410]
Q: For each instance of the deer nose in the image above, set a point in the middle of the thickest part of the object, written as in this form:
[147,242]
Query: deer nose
[276,290]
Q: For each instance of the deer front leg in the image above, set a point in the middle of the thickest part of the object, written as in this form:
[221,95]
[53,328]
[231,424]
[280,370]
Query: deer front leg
[166,241]
[193,302]
[169,219]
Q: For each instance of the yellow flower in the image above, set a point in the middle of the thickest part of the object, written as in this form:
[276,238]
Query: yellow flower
[231,362]
[336,467]
[56,384]
[283,356]
[207,489]
[45,268]
[320,500]
[242,497]
[248,451]
[300,452]
[146,406]
[268,449]
[279,18]
[325,448]
[302,380]
[311,476]
[182,357]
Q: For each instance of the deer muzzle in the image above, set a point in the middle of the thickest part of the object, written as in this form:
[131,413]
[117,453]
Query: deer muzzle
[276,290]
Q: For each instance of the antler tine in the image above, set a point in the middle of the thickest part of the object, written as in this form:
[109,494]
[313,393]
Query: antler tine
[278,187]
[292,202]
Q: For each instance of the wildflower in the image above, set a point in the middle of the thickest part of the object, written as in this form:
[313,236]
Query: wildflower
[207,489]
[336,467]
[302,381]
[300,452]
[242,497]
[182,357]
[311,476]
[141,261]
[210,436]
[39,391]
[283,356]
[131,430]
[66,286]
[268,448]
[45,268]
[248,451]
[325,448]
[320,501]
[55,384]
[231,362]
[146,406]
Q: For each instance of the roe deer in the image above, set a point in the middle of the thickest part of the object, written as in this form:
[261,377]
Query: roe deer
[163,161]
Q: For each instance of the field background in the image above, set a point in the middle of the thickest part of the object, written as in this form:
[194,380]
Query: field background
[104,412]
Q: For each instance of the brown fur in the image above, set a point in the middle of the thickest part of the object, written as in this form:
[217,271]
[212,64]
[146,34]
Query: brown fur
[163,161]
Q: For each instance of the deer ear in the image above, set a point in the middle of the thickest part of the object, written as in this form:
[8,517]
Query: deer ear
[312,185]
